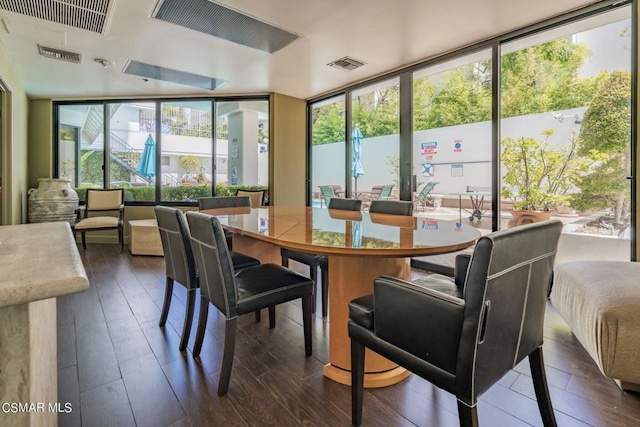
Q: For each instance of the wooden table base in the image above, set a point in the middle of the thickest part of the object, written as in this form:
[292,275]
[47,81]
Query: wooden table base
[349,278]
[371,380]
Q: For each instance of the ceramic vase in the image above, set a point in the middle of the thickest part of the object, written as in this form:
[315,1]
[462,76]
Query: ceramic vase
[53,200]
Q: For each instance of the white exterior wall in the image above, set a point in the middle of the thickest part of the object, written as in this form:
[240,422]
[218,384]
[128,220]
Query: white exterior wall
[474,154]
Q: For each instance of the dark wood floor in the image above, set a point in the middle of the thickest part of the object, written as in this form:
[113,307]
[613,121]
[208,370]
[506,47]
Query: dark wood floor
[118,368]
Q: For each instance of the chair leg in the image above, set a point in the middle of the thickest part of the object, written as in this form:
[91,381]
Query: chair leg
[307,303]
[325,292]
[168,293]
[188,319]
[121,238]
[536,363]
[257,314]
[202,326]
[227,357]
[313,275]
[272,317]
[357,381]
[468,415]
[84,241]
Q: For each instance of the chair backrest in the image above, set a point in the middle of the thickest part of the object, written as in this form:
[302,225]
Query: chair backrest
[327,192]
[426,190]
[217,280]
[392,207]
[385,192]
[104,200]
[224,202]
[178,256]
[505,295]
[257,196]
[345,204]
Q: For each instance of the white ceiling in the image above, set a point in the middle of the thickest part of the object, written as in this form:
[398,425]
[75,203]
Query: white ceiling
[384,34]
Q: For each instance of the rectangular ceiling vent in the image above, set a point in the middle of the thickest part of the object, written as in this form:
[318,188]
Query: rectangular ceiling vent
[62,55]
[168,75]
[90,15]
[220,21]
[346,63]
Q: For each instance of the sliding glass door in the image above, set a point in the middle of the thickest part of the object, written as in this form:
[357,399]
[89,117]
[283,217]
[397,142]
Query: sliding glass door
[566,133]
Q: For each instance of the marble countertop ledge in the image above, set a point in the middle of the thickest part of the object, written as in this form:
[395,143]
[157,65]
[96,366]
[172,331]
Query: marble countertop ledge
[39,261]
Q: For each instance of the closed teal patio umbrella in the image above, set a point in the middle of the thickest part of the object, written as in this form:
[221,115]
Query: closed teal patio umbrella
[356,159]
[147,165]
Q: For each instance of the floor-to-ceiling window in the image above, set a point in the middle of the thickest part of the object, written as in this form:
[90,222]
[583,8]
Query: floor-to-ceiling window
[242,144]
[566,133]
[163,150]
[539,119]
[375,137]
[328,147]
[452,139]
[185,159]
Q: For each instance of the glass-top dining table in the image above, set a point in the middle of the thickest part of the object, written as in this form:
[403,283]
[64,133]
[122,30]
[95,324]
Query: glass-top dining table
[360,246]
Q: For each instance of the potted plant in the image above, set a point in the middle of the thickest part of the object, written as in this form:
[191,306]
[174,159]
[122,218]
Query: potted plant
[538,178]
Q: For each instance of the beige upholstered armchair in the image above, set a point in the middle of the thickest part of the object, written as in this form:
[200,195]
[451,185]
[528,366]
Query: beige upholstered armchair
[100,202]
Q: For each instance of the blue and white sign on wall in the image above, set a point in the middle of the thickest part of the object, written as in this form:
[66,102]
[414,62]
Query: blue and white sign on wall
[427,169]
[457,145]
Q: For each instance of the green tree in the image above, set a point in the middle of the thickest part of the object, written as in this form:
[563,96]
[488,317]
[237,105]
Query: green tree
[377,113]
[190,164]
[606,127]
[543,78]
[538,177]
[463,96]
[328,124]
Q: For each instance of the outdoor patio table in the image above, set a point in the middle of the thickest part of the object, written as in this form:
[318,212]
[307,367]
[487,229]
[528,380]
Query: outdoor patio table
[359,248]
[477,200]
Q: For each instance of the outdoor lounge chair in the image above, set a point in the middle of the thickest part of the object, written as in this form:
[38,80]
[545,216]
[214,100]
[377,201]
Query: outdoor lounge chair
[378,192]
[329,191]
[424,197]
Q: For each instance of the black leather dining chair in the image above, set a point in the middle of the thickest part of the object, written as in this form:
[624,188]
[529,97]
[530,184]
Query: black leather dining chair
[225,202]
[180,265]
[464,336]
[320,261]
[235,293]
[391,207]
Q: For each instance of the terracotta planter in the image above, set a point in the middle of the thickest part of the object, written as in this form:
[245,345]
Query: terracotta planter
[527,217]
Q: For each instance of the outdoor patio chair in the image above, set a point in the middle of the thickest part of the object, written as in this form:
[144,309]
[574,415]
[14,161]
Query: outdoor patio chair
[102,201]
[329,191]
[378,192]
[235,293]
[424,197]
[180,264]
[464,337]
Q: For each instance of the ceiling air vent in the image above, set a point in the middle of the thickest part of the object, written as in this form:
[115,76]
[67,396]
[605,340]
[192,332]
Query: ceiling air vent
[346,63]
[90,15]
[62,55]
[155,72]
[212,18]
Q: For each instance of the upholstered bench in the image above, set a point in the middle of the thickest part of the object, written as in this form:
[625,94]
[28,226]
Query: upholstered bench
[600,301]
[144,237]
